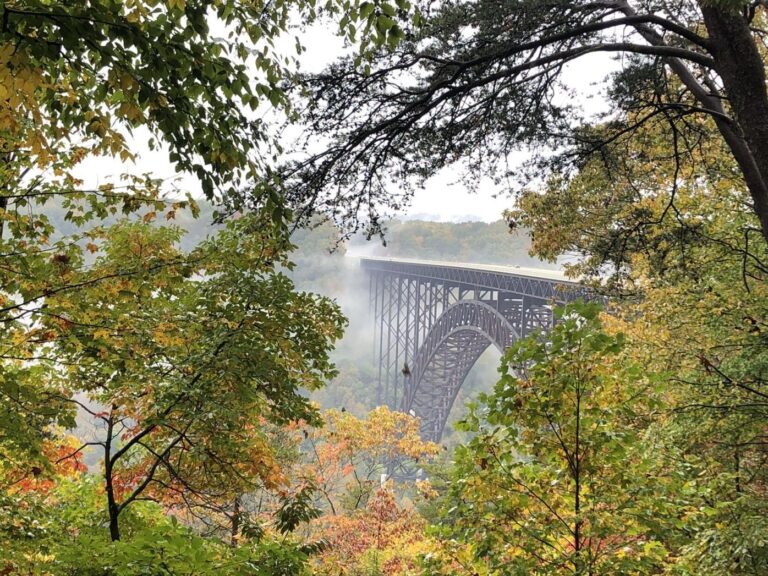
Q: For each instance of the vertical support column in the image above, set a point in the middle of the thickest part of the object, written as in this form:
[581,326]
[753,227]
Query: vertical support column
[418,324]
[524,317]
[398,349]
[378,326]
[381,281]
[394,330]
[386,357]
[537,315]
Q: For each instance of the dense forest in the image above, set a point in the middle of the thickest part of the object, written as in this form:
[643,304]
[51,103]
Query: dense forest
[476,242]
[186,384]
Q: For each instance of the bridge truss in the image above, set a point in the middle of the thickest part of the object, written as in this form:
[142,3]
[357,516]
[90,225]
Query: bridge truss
[433,320]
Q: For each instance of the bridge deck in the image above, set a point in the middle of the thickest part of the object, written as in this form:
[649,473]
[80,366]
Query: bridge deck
[536,283]
[543,273]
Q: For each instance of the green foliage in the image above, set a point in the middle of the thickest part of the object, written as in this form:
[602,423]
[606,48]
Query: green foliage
[557,477]
[192,71]
[184,362]
[63,534]
[32,403]
[187,353]
[299,509]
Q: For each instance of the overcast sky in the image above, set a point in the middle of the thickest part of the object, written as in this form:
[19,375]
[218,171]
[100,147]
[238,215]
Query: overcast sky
[443,198]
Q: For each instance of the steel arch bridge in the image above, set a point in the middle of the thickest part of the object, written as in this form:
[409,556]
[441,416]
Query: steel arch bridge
[433,320]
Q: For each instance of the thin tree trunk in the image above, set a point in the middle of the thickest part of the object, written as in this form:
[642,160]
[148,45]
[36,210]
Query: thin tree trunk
[235,528]
[579,561]
[112,507]
[3,206]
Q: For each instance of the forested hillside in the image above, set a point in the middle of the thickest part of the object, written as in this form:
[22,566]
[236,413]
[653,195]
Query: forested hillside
[477,242]
[186,377]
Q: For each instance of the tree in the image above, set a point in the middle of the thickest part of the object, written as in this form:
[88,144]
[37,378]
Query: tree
[348,458]
[180,356]
[675,240]
[477,80]
[647,209]
[77,79]
[369,525]
[561,477]
[705,332]
[190,71]
[60,532]
[80,78]
[381,538]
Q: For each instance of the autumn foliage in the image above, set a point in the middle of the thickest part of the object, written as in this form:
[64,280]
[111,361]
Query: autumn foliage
[349,456]
[381,538]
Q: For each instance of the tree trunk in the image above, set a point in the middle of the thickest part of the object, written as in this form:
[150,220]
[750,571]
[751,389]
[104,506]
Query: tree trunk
[113,509]
[235,528]
[3,206]
[577,536]
[742,70]
[114,527]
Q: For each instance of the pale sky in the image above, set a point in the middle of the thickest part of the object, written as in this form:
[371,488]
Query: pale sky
[442,199]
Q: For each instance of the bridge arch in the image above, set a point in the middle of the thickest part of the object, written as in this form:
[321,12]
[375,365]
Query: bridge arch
[456,340]
[437,318]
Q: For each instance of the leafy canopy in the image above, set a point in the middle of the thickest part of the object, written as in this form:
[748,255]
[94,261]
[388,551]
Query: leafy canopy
[481,80]
[557,477]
